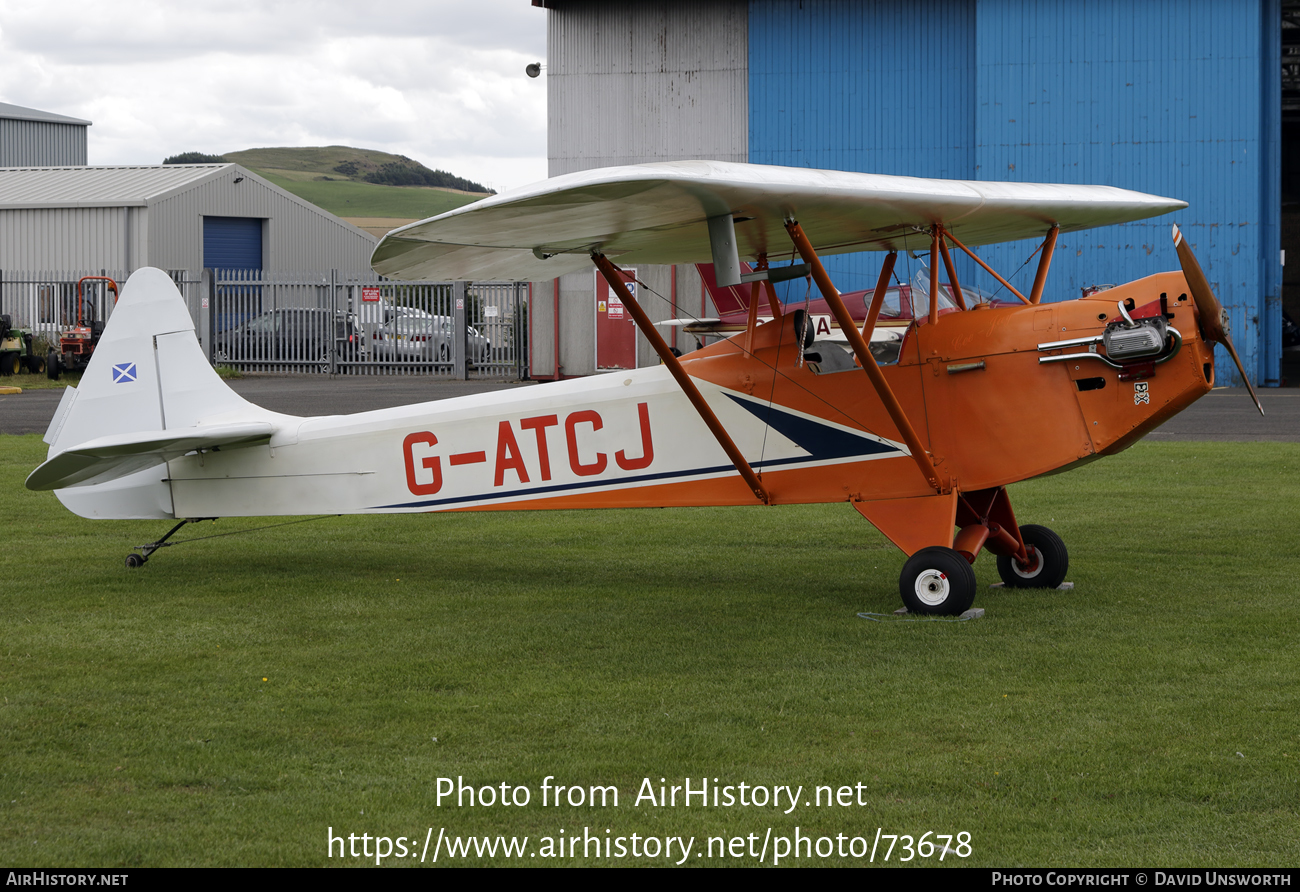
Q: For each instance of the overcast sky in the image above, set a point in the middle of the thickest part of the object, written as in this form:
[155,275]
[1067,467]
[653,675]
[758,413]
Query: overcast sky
[438,81]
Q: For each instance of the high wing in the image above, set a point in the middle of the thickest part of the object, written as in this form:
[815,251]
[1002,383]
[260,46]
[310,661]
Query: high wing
[657,213]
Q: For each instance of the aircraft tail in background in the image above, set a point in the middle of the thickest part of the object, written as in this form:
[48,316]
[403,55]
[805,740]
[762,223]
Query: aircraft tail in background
[730,300]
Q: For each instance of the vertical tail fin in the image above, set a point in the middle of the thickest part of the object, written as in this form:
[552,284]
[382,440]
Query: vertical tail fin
[147,396]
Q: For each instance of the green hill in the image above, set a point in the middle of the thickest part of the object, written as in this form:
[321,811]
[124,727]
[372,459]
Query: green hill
[336,178]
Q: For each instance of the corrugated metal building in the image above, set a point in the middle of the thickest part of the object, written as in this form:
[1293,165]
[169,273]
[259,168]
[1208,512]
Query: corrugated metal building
[629,83]
[1179,98]
[29,137]
[175,217]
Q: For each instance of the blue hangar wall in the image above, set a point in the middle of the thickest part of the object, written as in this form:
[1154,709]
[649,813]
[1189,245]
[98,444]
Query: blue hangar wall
[1174,97]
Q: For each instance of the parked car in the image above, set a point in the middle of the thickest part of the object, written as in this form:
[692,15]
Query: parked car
[426,338]
[308,335]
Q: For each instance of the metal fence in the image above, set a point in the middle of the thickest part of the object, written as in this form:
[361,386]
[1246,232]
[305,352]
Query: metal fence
[309,323]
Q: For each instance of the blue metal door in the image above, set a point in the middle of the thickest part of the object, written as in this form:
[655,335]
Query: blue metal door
[234,243]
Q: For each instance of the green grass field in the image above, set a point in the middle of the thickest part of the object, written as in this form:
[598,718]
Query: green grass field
[40,381]
[235,698]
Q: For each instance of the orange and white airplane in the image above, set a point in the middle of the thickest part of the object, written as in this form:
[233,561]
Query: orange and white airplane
[922,442]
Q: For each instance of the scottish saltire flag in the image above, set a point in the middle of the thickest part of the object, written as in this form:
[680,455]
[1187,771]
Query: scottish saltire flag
[123,372]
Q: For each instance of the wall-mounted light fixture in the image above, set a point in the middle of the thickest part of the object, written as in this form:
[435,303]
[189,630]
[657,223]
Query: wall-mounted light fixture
[533,69]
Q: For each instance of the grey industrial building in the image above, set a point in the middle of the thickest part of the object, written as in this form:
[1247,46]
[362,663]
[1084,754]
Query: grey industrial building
[630,83]
[29,137]
[123,218]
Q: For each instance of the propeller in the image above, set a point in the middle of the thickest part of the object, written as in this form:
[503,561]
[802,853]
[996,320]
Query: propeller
[1214,319]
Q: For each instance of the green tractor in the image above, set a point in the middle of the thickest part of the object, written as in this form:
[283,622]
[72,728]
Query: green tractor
[16,350]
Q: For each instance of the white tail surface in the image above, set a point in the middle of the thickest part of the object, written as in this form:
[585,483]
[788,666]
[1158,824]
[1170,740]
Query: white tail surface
[147,396]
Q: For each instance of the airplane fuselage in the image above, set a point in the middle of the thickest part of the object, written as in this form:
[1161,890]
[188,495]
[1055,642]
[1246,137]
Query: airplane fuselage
[972,385]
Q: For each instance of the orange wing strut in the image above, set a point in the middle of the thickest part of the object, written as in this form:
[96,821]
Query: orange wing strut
[860,349]
[1040,278]
[988,269]
[878,299]
[773,301]
[615,280]
[952,270]
[751,321]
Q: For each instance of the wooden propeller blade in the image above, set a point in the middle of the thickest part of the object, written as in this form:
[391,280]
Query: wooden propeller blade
[1214,326]
[1207,305]
[1233,352]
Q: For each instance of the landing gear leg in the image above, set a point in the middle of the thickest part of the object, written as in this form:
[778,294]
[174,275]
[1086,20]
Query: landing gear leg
[134,560]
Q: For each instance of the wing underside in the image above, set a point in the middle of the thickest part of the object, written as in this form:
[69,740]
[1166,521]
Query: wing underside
[657,213]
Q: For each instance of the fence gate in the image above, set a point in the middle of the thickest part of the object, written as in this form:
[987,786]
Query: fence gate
[48,301]
[339,324]
[308,323]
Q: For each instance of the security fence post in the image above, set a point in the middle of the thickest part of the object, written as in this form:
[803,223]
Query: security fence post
[209,278]
[331,323]
[459,332]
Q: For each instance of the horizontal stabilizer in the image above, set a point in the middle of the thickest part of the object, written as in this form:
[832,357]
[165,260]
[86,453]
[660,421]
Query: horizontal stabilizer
[117,455]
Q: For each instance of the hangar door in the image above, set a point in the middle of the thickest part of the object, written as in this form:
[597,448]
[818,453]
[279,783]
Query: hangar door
[234,243]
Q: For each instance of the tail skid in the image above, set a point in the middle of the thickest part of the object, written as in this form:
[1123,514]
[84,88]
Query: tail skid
[148,396]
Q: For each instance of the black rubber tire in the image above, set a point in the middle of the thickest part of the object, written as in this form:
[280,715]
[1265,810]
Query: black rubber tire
[134,560]
[8,364]
[1051,569]
[35,365]
[803,325]
[937,580]
[52,366]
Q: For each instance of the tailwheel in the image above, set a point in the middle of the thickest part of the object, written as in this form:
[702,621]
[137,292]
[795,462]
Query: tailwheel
[937,580]
[134,560]
[1048,560]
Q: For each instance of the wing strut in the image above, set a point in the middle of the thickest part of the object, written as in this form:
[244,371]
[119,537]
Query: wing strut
[878,299]
[863,352]
[611,274]
[952,270]
[990,270]
[1040,278]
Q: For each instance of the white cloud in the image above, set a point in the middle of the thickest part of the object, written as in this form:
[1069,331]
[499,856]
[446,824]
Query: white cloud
[441,82]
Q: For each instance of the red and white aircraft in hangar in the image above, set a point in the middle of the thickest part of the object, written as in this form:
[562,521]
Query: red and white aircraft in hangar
[921,442]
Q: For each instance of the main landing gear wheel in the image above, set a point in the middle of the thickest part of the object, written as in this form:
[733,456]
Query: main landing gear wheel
[1048,560]
[937,580]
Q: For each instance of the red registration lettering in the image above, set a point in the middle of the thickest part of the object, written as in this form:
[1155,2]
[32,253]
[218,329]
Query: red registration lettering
[508,457]
[538,426]
[429,462]
[570,433]
[647,447]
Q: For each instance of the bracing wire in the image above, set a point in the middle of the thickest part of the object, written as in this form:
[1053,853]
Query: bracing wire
[271,526]
[775,372]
